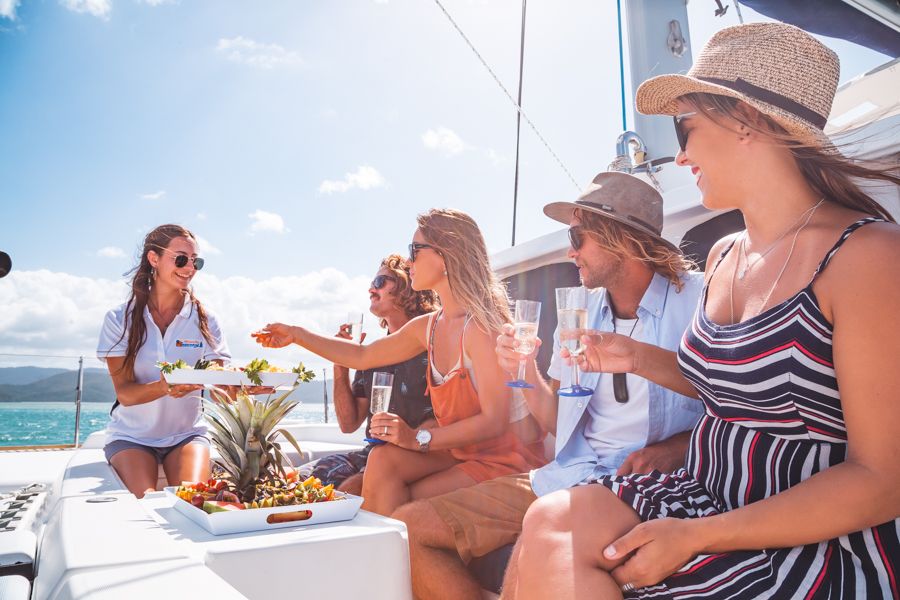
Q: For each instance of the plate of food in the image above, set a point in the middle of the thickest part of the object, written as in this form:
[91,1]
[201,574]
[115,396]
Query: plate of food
[258,372]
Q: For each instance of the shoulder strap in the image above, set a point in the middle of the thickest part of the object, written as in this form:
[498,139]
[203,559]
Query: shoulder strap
[847,232]
[722,256]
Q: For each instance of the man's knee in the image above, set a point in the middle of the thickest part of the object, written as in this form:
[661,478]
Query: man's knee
[424,525]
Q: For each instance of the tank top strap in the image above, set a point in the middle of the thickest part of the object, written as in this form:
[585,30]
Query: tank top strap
[462,339]
[722,256]
[847,232]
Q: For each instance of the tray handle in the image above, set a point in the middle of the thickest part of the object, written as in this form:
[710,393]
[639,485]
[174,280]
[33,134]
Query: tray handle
[287,517]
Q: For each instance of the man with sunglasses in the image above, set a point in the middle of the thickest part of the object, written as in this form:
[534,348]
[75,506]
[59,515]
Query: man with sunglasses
[394,302]
[639,284]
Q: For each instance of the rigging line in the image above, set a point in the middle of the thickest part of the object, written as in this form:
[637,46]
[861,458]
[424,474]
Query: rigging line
[621,64]
[518,124]
[508,95]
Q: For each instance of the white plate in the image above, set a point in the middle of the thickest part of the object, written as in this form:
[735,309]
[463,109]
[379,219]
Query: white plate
[259,519]
[206,377]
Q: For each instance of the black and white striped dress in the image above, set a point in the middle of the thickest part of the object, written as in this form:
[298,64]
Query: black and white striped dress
[773,418]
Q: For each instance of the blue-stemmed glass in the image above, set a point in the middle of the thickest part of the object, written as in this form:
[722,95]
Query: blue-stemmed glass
[527,317]
[571,312]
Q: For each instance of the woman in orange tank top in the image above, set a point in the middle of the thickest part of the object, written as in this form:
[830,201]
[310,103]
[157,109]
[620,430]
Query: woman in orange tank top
[473,438]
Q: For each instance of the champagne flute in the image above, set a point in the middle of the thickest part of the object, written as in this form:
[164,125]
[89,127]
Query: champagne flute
[355,320]
[571,311]
[527,317]
[382,386]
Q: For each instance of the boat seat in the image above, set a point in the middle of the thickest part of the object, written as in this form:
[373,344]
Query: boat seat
[17,553]
[14,587]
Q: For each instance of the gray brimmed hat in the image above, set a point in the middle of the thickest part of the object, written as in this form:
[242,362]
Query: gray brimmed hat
[777,68]
[623,198]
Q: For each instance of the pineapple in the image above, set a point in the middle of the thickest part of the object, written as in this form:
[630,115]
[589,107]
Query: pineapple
[243,430]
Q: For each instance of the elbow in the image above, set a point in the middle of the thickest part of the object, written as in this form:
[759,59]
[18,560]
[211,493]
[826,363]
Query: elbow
[347,427]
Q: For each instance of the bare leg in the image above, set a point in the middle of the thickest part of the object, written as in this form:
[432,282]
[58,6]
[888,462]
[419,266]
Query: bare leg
[440,483]
[137,469]
[563,538]
[352,485]
[511,577]
[391,470]
[437,570]
[188,463]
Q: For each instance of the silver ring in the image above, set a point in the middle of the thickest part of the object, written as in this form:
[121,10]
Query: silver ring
[628,587]
[385,430]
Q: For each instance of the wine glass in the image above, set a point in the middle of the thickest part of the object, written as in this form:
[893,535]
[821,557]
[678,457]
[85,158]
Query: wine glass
[571,311]
[382,385]
[355,320]
[527,317]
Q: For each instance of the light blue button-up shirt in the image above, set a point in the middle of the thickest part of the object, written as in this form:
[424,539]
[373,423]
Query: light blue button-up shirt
[664,315]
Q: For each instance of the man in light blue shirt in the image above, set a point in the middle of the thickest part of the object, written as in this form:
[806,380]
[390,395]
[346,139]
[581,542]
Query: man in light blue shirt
[639,285]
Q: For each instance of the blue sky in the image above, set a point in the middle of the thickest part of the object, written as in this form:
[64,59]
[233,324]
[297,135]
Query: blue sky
[297,139]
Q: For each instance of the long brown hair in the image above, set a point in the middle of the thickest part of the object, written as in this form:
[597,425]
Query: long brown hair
[412,302]
[827,171]
[141,284]
[456,236]
[627,243]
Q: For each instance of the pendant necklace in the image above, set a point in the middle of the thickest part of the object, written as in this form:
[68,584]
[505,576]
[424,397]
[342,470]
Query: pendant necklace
[748,264]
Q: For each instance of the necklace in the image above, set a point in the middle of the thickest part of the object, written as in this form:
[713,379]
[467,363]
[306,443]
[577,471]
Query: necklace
[620,386]
[748,264]
[783,267]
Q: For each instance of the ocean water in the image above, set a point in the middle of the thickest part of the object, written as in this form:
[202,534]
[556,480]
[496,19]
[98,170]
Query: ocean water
[44,423]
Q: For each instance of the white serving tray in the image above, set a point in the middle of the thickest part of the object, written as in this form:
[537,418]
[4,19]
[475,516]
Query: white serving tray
[260,519]
[206,377]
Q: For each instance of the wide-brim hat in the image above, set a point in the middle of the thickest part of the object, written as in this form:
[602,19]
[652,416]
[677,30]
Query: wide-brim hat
[776,68]
[623,198]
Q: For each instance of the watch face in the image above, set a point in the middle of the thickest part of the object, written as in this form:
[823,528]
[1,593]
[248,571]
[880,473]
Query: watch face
[423,436]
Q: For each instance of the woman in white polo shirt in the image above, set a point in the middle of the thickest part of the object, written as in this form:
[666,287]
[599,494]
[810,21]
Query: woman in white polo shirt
[151,421]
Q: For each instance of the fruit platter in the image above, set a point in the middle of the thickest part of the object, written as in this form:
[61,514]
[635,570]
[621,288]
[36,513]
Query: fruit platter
[216,506]
[258,372]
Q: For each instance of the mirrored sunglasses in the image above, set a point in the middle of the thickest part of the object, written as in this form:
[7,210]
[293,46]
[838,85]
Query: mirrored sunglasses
[380,281]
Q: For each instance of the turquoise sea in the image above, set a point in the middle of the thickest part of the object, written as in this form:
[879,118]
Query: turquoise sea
[43,423]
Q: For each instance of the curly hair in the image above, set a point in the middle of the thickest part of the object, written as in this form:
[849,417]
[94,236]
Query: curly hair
[627,242]
[412,303]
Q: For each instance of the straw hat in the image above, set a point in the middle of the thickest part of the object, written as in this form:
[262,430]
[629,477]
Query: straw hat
[623,198]
[777,68]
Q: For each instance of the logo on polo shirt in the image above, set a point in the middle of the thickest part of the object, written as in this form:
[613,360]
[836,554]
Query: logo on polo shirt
[188,344]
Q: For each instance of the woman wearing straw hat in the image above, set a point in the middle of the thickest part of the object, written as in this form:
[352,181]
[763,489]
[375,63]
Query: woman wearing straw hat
[793,351]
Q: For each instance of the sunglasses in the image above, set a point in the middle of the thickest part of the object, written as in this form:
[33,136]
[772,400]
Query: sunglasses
[415,247]
[680,133]
[576,237]
[181,260]
[380,281]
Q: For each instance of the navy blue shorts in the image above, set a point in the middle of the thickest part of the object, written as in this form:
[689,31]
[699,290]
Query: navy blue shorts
[159,453]
[335,468]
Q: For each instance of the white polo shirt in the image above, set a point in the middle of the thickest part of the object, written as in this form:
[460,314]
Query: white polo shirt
[165,421]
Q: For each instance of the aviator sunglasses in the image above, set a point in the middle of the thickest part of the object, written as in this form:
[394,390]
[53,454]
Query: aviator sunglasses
[381,280]
[415,247]
[576,238]
[181,260]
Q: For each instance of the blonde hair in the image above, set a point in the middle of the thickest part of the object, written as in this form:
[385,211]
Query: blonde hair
[829,173]
[456,236]
[627,243]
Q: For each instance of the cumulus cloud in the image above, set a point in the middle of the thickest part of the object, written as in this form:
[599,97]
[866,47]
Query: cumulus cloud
[154,196]
[56,313]
[266,221]
[443,140]
[206,248]
[111,252]
[365,178]
[97,8]
[8,9]
[158,2]
[255,54]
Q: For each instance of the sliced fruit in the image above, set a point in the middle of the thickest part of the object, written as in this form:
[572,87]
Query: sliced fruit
[214,506]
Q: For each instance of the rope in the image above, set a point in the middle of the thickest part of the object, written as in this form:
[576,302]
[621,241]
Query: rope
[518,123]
[508,95]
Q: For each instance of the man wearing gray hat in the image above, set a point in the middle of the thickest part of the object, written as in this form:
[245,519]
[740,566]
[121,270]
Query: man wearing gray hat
[639,285]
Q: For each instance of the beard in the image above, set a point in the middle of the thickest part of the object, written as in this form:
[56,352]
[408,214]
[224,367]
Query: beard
[606,275]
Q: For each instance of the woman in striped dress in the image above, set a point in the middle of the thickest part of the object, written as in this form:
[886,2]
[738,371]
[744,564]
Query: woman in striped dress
[794,351]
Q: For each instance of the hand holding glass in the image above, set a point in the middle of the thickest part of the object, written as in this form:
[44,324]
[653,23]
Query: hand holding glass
[382,384]
[527,317]
[571,311]
[355,320]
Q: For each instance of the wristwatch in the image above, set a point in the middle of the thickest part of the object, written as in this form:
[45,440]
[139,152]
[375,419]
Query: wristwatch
[423,437]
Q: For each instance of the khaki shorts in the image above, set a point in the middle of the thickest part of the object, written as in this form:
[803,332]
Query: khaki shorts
[486,516]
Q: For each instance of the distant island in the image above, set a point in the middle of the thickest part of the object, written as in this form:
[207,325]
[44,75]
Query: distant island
[39,384]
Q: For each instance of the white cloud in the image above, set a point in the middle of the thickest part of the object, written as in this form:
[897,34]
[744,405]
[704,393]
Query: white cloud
[201,216]
[443,140]
[158,2]
[111,252]
[365,178]
[97,8]
[8,9]
[206,248]
[154,196]
[255,54]
[57,313]
[266,221]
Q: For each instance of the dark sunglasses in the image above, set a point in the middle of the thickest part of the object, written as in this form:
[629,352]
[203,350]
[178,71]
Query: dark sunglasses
[415,247]
[181,260]
[576,237]
[680,133]
[380,280]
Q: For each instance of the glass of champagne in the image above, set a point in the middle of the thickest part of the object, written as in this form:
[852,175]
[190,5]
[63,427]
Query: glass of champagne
[527,316]
[382,384]
[571,311]
[355,320]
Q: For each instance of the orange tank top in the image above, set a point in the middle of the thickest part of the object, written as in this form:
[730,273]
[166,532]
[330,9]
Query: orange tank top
[456,399]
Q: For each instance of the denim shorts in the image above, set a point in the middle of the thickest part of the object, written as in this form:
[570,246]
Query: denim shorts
[159,453]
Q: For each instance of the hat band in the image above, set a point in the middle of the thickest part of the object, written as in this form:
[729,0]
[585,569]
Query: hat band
[770,97]
[609,209]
